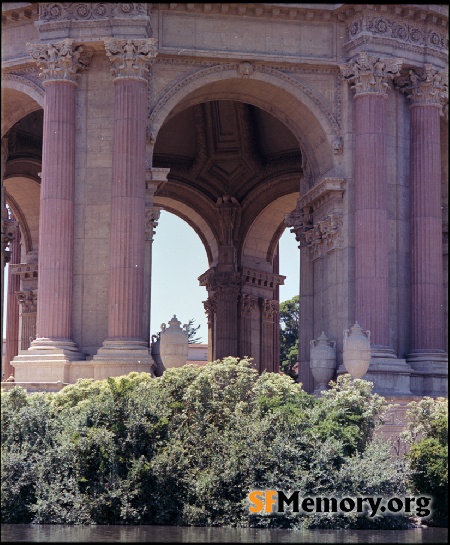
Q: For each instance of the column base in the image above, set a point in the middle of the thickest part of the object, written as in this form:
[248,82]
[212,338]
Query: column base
[120,357]
[429,375]
[48,360]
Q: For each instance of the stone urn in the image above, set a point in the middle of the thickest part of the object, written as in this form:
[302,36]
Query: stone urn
[173,344]
[356,354]
[322,361]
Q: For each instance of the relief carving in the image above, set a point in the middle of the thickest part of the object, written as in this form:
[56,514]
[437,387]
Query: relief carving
[370,74]
[269,308]
[248,304]
[301,220]
[131,58]
[245,69]
[60,61]
[151,222]
[229,219]
[210,306]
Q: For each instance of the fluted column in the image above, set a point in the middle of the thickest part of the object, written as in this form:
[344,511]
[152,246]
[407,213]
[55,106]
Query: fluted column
[131,60]
[426,89]
[300,222]
[60,64]
[369,78]
[12,308]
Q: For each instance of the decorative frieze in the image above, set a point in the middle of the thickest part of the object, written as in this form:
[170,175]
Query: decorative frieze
[80,11]
[60,61]
[425,85]
[400,31]
[131,58]
[370,74]
[28,301]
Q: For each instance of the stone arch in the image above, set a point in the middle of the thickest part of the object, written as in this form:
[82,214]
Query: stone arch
[20,97]
[262,237]
[23,196]
[196,220]
[303,112]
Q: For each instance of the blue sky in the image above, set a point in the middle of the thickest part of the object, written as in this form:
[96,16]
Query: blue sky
[179,258]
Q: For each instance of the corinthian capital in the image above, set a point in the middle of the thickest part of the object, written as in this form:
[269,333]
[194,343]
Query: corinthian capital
[131,58]
[425,86]
[370,74]
[60,61]
[28,301]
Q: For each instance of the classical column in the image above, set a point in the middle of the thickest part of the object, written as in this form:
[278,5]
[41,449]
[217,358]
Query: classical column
[127,340]
[49,356]
[369,78]
[60,64]
[426,88]
[300,222]
[12,308]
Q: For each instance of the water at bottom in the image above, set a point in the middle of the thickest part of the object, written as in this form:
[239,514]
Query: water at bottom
[48,533]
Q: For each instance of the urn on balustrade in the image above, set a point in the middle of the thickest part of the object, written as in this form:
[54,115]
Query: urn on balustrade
[322,361]
[173,344]
[356,354]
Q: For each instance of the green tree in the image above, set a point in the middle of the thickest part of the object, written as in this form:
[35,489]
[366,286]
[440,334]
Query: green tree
[427,436]
[289,325]
[192,331]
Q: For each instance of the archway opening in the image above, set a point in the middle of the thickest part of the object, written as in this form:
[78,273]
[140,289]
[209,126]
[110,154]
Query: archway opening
[178,256]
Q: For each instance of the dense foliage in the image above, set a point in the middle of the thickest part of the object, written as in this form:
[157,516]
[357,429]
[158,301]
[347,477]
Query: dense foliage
[186,448]
[289,327]
[428,455]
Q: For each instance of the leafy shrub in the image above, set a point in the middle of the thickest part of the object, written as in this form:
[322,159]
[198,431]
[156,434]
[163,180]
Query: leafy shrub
[187,447]
[427,435]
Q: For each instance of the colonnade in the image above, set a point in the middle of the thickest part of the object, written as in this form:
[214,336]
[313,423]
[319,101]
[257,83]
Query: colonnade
[132,208]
